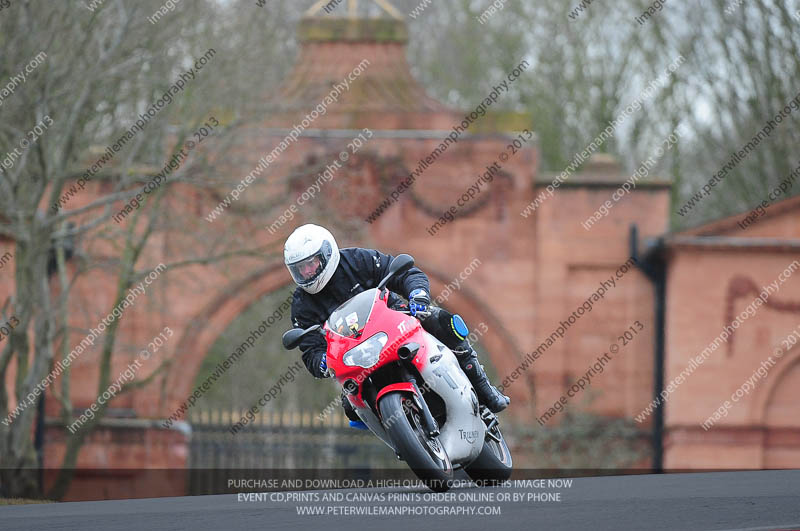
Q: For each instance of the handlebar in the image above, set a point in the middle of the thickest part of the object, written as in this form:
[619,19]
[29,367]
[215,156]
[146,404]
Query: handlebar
[418,315]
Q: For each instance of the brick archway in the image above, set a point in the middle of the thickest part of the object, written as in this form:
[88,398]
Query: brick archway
[208,324]
[774,380]
[779,448]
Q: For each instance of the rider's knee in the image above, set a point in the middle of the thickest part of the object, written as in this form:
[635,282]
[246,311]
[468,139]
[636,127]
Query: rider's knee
[459,327]
[448,328]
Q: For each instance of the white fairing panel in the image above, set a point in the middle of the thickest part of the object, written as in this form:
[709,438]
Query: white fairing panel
[463,433]
[374,424]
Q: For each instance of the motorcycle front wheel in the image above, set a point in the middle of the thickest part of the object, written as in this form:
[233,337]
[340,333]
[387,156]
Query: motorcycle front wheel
[401,418]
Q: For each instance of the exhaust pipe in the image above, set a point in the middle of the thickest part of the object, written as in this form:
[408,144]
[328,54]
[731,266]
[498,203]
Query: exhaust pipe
[408,351]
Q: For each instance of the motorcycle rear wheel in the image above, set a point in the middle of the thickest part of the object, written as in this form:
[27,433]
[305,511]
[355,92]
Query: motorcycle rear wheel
[424,455]
[494,464]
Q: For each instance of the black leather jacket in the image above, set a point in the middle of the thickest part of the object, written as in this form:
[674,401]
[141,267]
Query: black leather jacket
[359,269]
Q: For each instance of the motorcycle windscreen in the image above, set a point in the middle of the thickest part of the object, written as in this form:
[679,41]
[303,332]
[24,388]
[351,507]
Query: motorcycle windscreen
[348,320]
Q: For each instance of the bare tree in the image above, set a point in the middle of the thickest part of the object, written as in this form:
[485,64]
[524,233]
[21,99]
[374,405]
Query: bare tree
[96,68]
[741,60]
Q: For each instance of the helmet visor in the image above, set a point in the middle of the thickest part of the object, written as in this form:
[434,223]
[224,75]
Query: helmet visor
[307,270]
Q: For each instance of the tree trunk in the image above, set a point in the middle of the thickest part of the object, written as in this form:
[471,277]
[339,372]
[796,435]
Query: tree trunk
[19,473]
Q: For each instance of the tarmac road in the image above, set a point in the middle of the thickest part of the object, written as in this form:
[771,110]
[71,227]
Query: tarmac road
[758,500]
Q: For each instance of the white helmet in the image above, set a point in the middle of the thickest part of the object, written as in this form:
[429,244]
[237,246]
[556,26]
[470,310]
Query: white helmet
[311,254]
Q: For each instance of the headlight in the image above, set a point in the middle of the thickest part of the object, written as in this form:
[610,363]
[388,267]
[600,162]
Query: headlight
[367,353]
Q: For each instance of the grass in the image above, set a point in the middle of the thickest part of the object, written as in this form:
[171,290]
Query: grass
[21,501]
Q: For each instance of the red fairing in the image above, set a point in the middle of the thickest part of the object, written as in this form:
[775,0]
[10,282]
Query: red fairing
[400,329]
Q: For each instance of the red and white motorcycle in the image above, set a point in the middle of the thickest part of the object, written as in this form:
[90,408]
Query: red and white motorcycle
[409,390]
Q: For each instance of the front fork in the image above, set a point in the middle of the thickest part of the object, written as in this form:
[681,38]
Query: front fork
[428,422]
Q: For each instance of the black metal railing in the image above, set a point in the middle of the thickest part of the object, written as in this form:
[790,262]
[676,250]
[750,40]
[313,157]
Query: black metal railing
[278,443]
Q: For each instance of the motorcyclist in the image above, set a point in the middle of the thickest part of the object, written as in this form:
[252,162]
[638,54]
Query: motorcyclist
[327,276]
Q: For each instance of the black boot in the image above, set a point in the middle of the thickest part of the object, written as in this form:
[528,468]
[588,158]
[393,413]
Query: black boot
[488,395]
